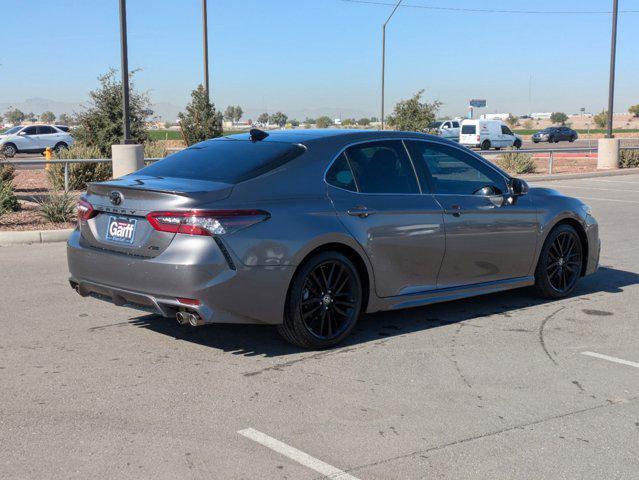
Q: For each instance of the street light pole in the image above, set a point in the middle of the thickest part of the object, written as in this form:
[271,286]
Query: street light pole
[384,55]
[126,138]
[613,51]
[205,40]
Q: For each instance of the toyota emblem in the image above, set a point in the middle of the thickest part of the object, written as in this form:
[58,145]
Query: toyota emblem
[116,198]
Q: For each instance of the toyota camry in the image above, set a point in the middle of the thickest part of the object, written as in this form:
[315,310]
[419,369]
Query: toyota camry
[307,230]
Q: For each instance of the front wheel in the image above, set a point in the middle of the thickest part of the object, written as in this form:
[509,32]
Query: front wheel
[560,263]
[517,144]
[572,139]
[485,145]
[324,302]
[9,150]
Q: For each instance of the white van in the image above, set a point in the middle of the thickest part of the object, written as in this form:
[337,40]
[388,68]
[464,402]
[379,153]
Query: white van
[488,134]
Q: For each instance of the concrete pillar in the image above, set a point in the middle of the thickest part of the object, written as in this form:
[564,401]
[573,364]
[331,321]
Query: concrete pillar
[127,159]
[608,154]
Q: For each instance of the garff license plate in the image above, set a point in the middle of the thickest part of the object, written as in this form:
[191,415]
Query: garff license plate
[121,230]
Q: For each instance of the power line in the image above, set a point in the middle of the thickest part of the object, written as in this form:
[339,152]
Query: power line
[483,10]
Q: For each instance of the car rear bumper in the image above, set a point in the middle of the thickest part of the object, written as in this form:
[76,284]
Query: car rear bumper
[191,268]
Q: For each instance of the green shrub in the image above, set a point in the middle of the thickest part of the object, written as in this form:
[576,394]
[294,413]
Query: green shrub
[518,163]
[7,172]
[8,199]
[79,173]
[57,208]
[154,150]
[629,158]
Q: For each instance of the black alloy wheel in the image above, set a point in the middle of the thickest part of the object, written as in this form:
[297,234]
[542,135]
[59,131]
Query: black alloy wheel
[560,263]
[324,302]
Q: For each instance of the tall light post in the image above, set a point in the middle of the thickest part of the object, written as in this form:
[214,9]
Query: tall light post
[205,40]
[384,55]
[126,137]
[613,52]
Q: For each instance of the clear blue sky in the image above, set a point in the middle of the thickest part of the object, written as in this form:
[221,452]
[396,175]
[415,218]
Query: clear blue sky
[306,55]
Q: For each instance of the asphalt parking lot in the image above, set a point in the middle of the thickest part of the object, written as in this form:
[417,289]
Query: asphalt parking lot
[503,386]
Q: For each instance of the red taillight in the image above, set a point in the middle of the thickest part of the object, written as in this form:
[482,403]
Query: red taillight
[478,138]
[188,301]
[205,222]
[85,210]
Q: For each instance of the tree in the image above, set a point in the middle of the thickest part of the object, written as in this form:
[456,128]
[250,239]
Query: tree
[512,120]
[634,110]
[347,122]
[31,117]
[413,114]
[278,118]
[294,123]
[15,116]
[65,119]
[559,117]
[374,119]
[100,125]
[363,122]
[200,121]
[309,121]
[263,119]
[323,122]
[229,113]
[601,119]
[47,117]
[237,114]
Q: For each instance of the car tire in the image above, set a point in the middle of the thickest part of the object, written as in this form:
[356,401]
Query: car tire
[323,303]
[60,146]
[9,150]
[485,145]
[551,139]
[535,141]
[517,144]
[572,139]
[560,263]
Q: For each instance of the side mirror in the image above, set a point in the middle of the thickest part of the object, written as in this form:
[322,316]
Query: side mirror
[22,134]
[518,187]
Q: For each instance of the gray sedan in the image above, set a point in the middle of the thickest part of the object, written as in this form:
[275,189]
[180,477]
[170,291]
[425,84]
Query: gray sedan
[307,230]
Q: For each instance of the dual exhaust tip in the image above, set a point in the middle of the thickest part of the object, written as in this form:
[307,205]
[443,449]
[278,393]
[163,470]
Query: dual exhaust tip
[189,318]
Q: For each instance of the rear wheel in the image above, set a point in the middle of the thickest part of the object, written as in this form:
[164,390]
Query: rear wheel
[324,302]
[517,144]
[572,139]
[9,150]
[485,145]
[60,146]
[560,262]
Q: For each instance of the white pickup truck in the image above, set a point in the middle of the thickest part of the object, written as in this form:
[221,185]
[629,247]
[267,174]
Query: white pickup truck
[448,129]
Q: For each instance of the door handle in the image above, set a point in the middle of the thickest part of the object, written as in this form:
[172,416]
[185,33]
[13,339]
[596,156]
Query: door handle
[455,210]
[360,211]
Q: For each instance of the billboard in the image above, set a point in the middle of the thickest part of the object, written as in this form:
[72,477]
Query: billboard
[477,103]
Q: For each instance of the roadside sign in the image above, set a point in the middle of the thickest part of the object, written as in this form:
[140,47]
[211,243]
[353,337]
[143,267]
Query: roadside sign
[477,103]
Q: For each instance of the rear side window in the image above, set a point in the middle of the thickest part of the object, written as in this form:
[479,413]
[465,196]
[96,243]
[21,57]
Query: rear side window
[382,167]
[468,129]
[455,124]
[340,174]
[44,130]
[225,160]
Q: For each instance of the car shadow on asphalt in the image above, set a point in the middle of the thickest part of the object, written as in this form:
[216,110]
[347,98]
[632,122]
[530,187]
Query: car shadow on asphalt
[263,340]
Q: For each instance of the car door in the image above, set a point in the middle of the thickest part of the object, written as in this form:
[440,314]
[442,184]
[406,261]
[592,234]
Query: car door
[490,235]
[27,139]
[46,136]
[376,195]
[507,137]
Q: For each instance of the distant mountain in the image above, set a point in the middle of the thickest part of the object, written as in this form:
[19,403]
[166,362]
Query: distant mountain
[168,112]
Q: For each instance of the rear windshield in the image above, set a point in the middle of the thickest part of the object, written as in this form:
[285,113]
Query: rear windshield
[225,160]
[468,129]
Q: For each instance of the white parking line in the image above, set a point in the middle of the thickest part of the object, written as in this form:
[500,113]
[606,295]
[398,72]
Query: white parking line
[636,182]
[295,454]
[611,359]
[607,199]
[596,188]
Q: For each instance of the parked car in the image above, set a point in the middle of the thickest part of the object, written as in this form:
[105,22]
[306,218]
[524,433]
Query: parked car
[308,229]
[555,134]
[487,134]
[448,129]
[33,139]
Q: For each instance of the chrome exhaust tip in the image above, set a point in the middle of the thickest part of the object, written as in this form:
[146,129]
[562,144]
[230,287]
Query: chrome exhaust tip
[182,318]
[195,320]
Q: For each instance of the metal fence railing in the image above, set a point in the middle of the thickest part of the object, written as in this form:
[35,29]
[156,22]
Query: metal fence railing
[486,153]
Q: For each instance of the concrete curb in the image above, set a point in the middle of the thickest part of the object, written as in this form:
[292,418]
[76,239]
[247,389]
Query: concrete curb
[568,176]
[29,237]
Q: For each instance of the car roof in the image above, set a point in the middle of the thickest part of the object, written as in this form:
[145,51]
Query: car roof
[304,136]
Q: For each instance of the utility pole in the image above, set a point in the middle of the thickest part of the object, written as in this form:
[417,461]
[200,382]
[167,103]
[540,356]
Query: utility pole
[384,55]
[125,75]
[613,52]
[205,40]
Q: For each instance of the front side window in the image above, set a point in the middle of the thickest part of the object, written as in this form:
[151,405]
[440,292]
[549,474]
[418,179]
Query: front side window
[455,124]
[451,171]
[29,131]
[505,130]
[340,174]
[382,167]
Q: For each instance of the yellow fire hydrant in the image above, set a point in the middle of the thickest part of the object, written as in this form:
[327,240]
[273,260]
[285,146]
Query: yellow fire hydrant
[48,155]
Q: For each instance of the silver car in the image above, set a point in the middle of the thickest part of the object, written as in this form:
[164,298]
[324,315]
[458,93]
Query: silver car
[308,229]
